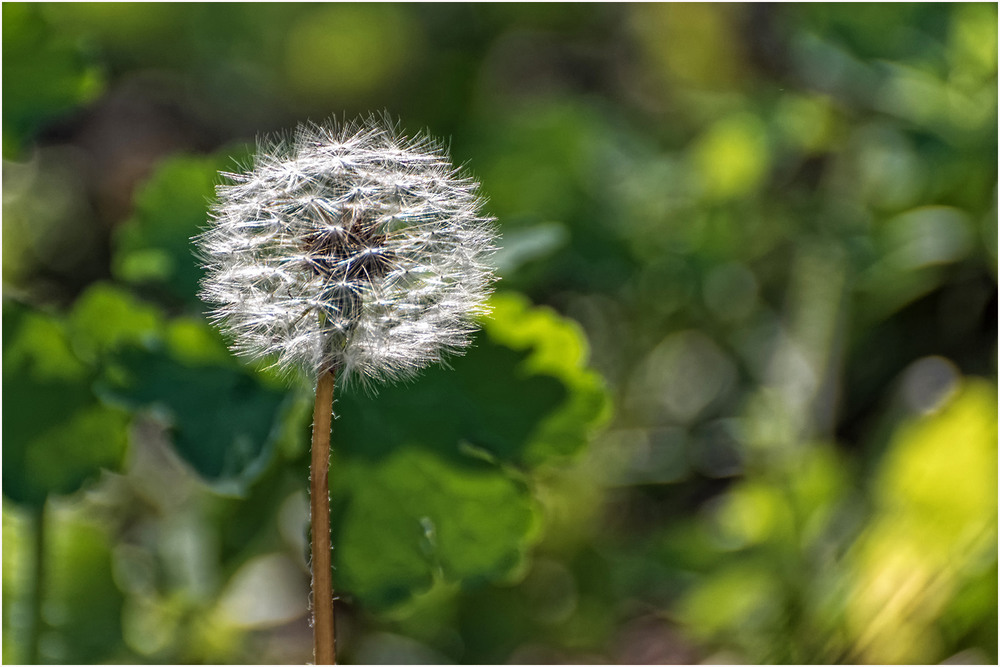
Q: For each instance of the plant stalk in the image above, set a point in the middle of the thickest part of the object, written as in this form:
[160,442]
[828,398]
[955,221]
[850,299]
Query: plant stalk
[324,631]
[34,630]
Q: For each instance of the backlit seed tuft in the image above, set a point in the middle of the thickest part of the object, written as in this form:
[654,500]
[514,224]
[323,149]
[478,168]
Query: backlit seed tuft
[348,248]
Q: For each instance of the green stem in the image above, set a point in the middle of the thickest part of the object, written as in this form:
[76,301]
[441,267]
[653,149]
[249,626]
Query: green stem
[35,598]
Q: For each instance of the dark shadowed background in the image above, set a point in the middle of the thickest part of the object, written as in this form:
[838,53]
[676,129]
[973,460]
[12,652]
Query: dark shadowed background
[737,402]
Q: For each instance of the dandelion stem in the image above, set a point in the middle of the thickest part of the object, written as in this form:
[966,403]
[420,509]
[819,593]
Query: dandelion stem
[324,631]
[34,632]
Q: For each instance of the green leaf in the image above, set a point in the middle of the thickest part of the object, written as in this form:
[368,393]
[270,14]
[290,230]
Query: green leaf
[224,422]
[558,349]
[529,353]
[431,489]
[56,434]
[106,317]
[414,516]
[37,344]
[154,246]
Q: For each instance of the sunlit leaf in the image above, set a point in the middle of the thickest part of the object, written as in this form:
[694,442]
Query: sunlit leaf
[107,317]
[943,469]
[733,157]
[935,527]
[558,349]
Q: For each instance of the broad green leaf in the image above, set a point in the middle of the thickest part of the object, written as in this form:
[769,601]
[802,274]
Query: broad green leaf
[192,341]
[38,345]
[225,420]
[107,317]
[154,246]
[56,434]
[558,348]
[522,395]
[225,423]
[414,516]
[430,490]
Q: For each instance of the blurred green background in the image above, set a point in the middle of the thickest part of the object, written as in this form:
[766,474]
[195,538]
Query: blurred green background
[737,403]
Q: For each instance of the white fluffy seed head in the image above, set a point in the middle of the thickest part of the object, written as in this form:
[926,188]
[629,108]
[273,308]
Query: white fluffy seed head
[349,248]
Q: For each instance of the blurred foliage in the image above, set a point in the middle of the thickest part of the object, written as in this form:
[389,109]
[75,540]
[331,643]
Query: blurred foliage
[58,433]
[452,480]
[46,74]
[736,403]
[153,247]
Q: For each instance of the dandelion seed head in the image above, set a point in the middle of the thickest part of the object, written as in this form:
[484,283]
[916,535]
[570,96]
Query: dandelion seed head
[348,247]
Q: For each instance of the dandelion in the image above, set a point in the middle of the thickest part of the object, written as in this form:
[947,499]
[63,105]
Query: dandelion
[350,250]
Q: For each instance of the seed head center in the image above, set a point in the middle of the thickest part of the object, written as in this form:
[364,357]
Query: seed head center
[349,250]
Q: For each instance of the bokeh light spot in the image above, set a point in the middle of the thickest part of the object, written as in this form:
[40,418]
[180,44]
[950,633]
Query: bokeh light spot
[349,50]
[929,382]
[928,235]
[681,377]
[732,157]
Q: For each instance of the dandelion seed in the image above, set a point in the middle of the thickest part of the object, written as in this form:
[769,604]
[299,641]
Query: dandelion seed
[349,248]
